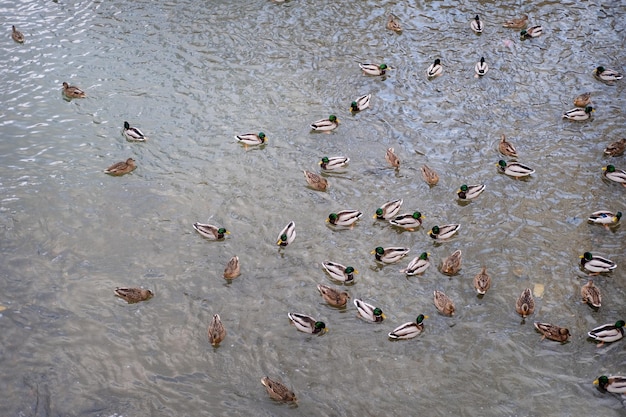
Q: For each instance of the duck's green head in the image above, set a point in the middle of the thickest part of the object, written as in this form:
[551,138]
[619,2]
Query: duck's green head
[379,250]
[283,238]
[435,230]
[354,106]
[126,125]
[618,215]
[378,312]
[332,217]
[587,256]
[609,168]
[379,212]
[599,70]
[464,188]
[383,67]
[221,232]
[424,256]
[349,270]
[319,325]
[437,61]
[588,109]
[502,163]
[261,135]
[325,160]
[523,33]
[417,215]
[332,118]
[620,323]
[420,318]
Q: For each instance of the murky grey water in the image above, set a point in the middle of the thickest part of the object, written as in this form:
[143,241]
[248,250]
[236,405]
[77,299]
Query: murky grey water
[192,75]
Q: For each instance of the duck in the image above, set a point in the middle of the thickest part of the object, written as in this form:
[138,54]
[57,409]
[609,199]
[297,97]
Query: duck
[133,295]
[287,235]
[390,255]
[606,74]
[17,35]
[552,332]
[608,332]
[514,169]
[368,311]
[470,192]
[333,296]
[605,217]
[307,324]
[578,114]
[360,103]
[72,91]
[334,163]
[614,174]
[525,304]
[216,330]
[582,100]
[430,175]
[339,272]
[616,148]
[388,210]
[374,69]
[418,265]
[452,264]
[315,181]
[392,158]
[252,139]
[133,134]
[506,148]
[518,23]
[531,32]
[344,217]
[615,383]
[591,294]
[435,69]
[326,125]
[482,281]
[408,330]
[596,264]
[278,391]
[444,232]
[481,67]
[210,231]
[408,221]
[443,303]
[232,269]
[477,25]
[393,24]
[121,168]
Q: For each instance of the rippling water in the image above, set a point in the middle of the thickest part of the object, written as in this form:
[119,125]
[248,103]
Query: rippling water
[192,75]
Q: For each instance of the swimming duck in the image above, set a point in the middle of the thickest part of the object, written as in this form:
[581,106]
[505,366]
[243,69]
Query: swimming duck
[514,169]
[469,192]
[418,265]
[390,255]
[608,332]
[344,217]
[388,210]
[287,235]
[429,175]
[606,74]
[605,218]
[121,168]
[444,232]
[591,294]
[519,23]
[368,311]
[452,264]
[374,69]
[613,174]
[316,182]
[443,303]
[393,24]
[360,103]
[578,114]
[133,295]
[232,269]
[531,32]
[552,332]
[216,330]
[477,25]
[307,324]
[333,296]
[339,272]
[17,35]
[408,221]
[278,391]
[582,100]
[133,134]
[525,304]
[481,67]
[252,139]
[210,232]
[334,163]
[615,383]
[506,148]
[482,281]
[616,148]
[435,69]
[596,264]
[326,125]
[392,158]
[72,91]
[409,330]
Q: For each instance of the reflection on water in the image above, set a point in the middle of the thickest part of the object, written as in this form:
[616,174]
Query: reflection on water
[193,75]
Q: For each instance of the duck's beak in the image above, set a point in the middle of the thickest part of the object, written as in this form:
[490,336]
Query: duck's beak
[603,168]
[383,316]
[425,317]
[596,382]
[373,252]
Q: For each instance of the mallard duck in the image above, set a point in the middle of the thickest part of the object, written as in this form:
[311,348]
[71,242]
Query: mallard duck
[316,182]
[477,25]
[133,134]
[605,218]
[578,114]
[435,69]
[392,158]
[17,35]
[216,330]
[525,304]
[444,232]
[506,148]
[606,74]
[278,391]
[519,23]
[443,303]
[232,269]
[552,332]
[481,67]
[614,174]
[393,24]
[418,265]
[409,330]
[615,383]
[596,264]
[368,311]
[408,221]
[121,168]
[287,235]
[591,294]
[388,210]
[333,296]
[531,32]
[344,217]
[133,295]
[252,139]
[429,175]
[390,255]
[360,103]
[334,163]
[326,125]
[482,281]
[210,232]
[608,332]
[306,324]
[514,169]
[72,91]
[374,69]
[616,148]
[339,272]
[470,192]
[452,264]
[582,100]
